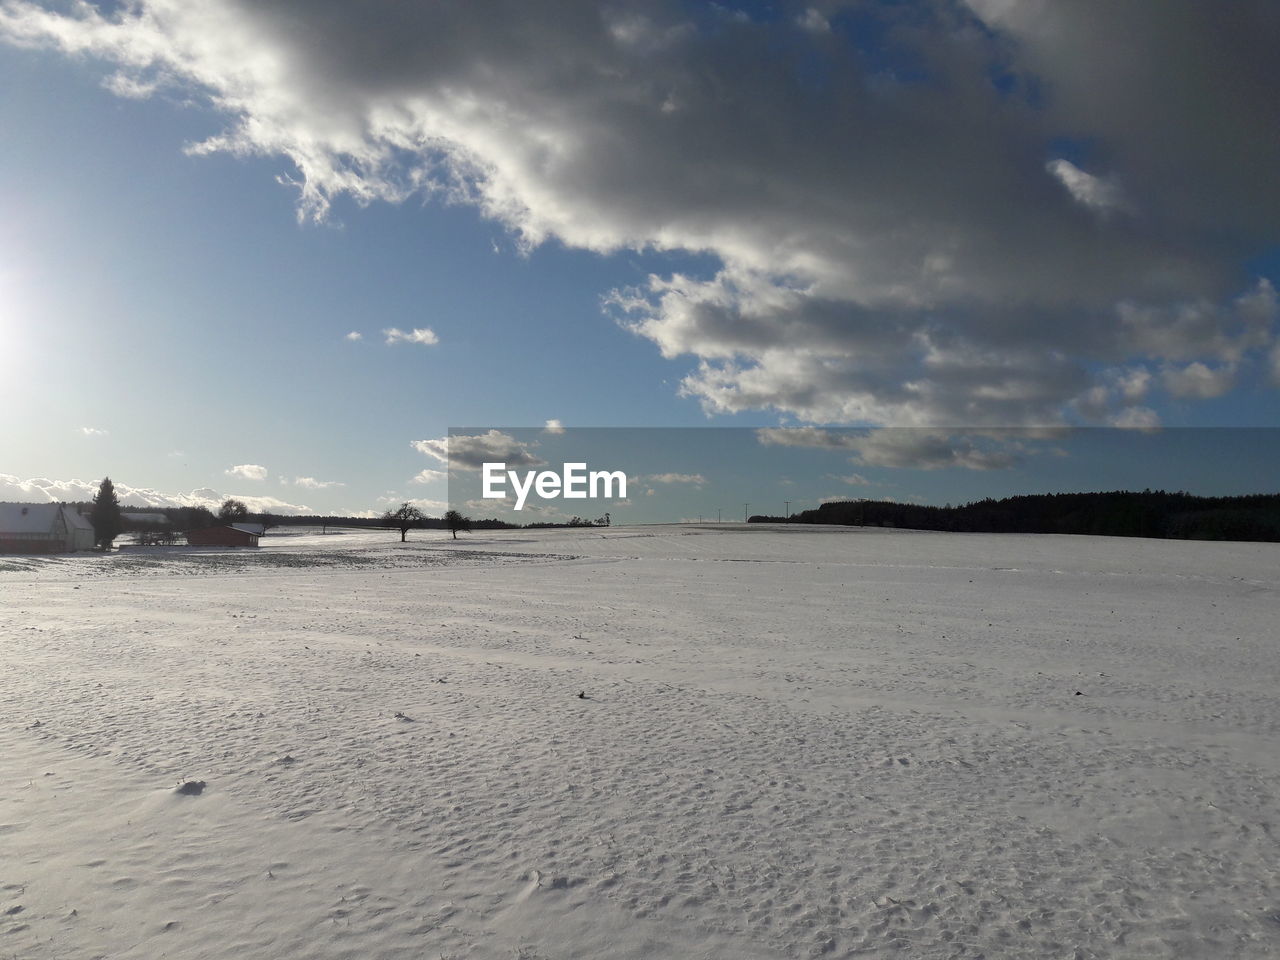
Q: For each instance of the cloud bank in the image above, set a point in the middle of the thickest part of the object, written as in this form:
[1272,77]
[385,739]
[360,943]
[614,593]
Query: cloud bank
[966,213]
[44,490]
[913,448]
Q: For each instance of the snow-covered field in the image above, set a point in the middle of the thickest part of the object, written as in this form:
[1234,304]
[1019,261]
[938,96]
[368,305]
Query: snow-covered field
[643,742]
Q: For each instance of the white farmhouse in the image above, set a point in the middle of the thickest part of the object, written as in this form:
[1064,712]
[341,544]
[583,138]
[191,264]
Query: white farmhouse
[43,528]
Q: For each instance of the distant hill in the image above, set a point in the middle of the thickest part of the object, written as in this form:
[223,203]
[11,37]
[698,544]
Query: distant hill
[1119,513]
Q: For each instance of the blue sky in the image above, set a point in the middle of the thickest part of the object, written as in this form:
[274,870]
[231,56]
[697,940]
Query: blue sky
[700,473]
[660,215]
[176,303]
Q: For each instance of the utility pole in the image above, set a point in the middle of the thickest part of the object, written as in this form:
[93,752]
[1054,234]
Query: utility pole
[745,508]
[788,503]
[718,509]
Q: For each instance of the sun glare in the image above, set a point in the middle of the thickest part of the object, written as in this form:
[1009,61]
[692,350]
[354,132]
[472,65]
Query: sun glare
[15,315]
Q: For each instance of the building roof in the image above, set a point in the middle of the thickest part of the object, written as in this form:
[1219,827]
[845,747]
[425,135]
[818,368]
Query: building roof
[75,519]
[225,534]
[254,528]
[39,517]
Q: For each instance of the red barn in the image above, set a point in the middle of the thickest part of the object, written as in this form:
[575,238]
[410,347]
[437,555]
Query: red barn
[232,535]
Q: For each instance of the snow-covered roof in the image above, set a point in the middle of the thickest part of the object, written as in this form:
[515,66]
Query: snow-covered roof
[39,517]
[75,519]
[28,517]
[255,528]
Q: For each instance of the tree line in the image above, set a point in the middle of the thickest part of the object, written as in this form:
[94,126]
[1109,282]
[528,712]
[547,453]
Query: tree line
[110,519]
[407,517]
[1117,513]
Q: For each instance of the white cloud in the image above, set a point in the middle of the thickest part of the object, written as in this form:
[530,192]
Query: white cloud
[1137,418]
[504,510]
[913,448]
[1119,388]
[1095,403]
[1200,329]
[1133,384]
[422,335]
[429,506]
[1098,193]
[257,504]
[554,426]
[813,21]
[44,490]
[247,471]
[539,513]
[94,432]
[807,437]
[429,476]
[311,483]
[1198,381]
[130,87]
[474,450]
[855,480]
[354,335]
[932,450]
[887,250]
[694,478]
[392,500]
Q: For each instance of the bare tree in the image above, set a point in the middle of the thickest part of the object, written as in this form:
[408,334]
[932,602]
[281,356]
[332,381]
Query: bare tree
[456,521]
[404,518]
[233,511]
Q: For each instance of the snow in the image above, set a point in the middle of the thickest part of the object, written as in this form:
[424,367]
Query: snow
[38,518]
[686,741]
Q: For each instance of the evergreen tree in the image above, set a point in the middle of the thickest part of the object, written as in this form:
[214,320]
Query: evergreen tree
[105,516]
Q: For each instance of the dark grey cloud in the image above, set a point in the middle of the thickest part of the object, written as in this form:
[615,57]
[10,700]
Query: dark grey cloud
[981,212]
[1177,97]
[915,448]
[474,450]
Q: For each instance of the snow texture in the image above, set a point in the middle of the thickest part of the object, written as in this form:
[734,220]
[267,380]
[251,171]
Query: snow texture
[713,742]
